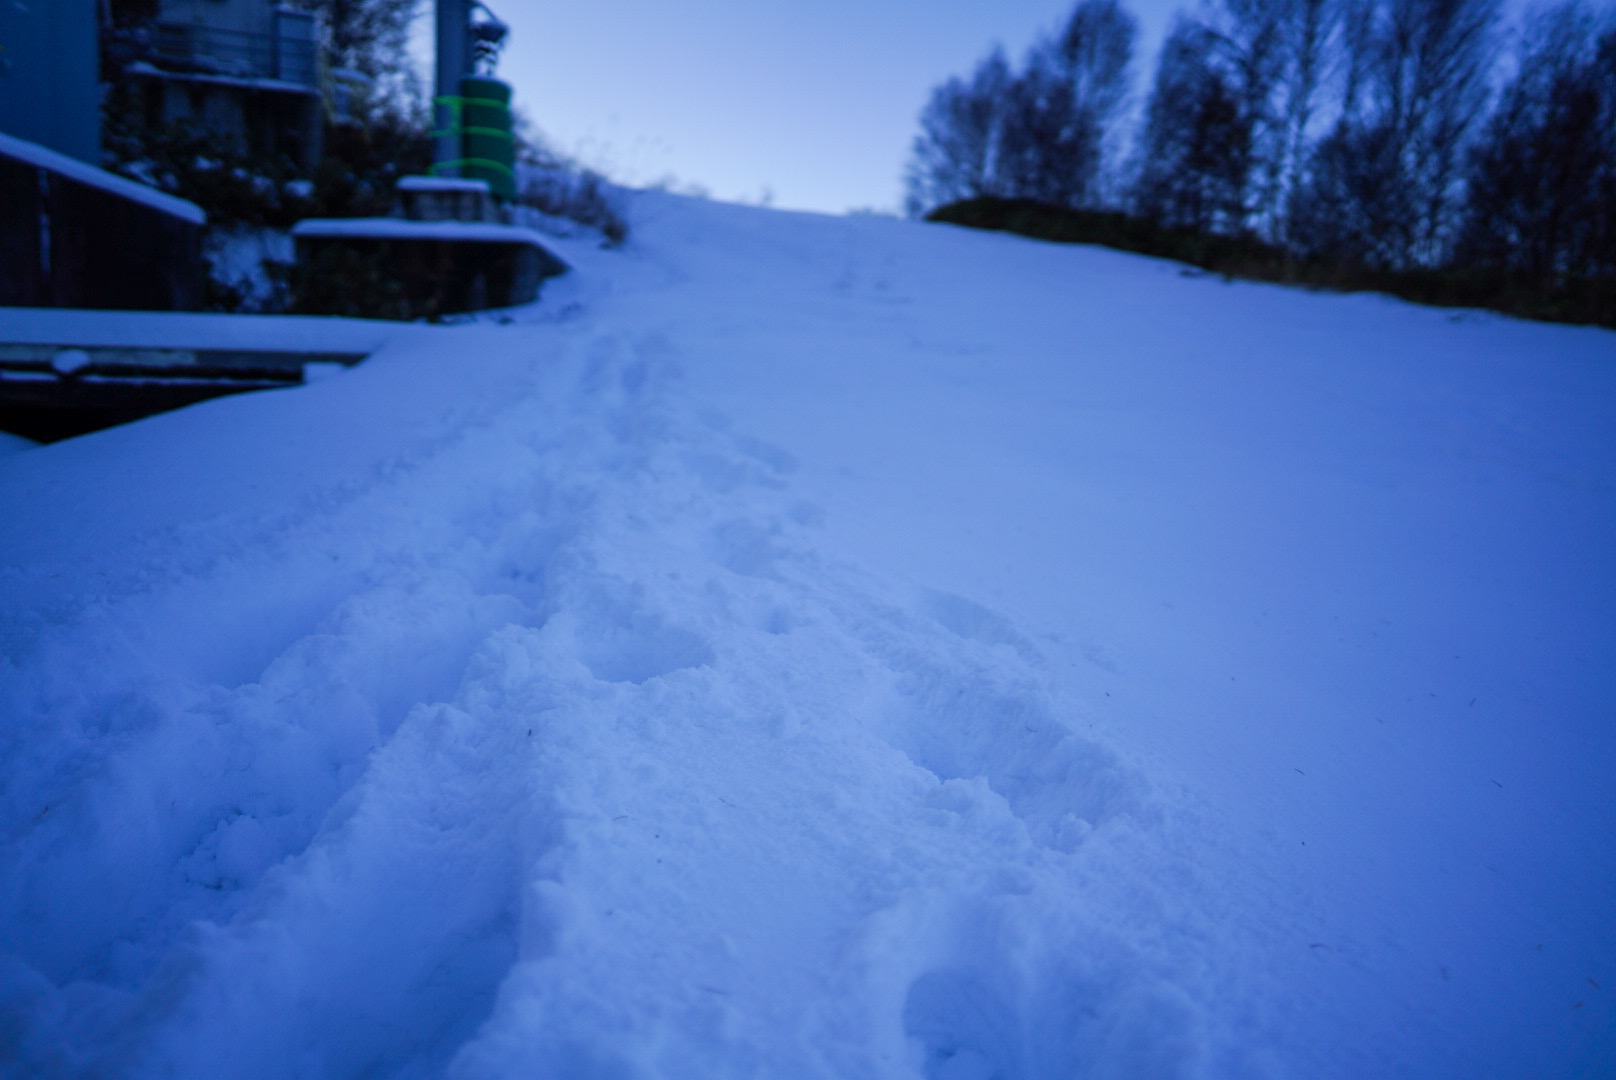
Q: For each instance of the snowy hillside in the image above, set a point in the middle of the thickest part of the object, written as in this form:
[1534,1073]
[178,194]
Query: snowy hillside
[843,648]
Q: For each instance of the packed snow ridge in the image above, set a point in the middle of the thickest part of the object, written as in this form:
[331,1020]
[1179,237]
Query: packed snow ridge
[843,648]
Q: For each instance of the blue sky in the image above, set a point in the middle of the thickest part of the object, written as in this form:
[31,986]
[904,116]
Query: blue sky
[813,104]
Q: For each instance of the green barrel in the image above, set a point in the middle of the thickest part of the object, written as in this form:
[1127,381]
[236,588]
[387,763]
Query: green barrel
[487,148]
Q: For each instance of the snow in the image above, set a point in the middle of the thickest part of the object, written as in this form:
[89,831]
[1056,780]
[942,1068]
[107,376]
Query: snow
[69,361]
[240,257]
[198,331]
[810,647]
[14,444]
[404,229]
[73,169]
[442,183]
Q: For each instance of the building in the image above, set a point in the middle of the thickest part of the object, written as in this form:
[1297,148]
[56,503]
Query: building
[48,89]
[72,235]
[248,71]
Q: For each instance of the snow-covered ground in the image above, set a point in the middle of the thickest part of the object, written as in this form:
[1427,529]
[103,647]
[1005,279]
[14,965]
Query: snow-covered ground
[809,647]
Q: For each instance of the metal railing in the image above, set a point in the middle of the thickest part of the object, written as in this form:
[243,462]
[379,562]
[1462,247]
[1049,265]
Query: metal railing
[236,54]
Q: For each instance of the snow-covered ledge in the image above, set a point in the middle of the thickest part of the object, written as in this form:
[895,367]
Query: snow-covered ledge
[446,198]
[432,268]
[73,169]
[487,232]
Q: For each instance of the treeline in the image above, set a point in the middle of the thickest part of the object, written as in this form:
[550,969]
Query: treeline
[1356,143]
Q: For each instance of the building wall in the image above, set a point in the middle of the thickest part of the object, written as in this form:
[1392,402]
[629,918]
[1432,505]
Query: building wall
[48,76]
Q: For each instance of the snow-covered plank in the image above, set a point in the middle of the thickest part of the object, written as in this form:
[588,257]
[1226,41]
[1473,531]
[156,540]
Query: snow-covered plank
[442,183]
[78,171]
[404,229]
[194,332]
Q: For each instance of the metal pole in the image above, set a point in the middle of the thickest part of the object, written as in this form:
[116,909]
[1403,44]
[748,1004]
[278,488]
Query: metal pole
[453,62]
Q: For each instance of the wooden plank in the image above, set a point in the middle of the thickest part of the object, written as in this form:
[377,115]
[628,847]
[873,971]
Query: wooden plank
[26,352]
[50,409]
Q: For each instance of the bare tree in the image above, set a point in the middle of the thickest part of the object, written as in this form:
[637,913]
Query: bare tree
[366,35]
[1309,31]
[1266,57]
[1095,53]
[955,156]
[1358,48]
[1050,147]
[1602,228]
[1414,96]
[372,37]
[1041,133]
[1252,52]
[1354,207]
[1535,199]
[1196,150]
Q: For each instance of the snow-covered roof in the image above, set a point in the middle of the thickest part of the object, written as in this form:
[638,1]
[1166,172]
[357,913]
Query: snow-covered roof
[402,229]
[78,171]
[441,183]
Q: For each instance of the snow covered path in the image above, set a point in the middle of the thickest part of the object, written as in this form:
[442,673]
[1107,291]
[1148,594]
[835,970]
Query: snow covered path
[830,648]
